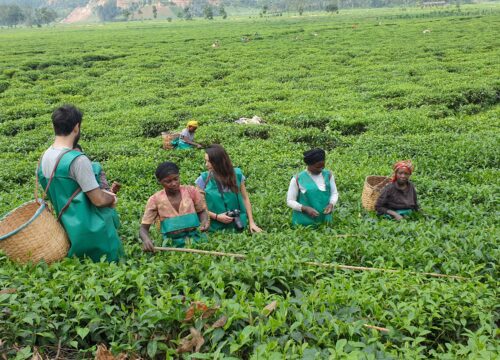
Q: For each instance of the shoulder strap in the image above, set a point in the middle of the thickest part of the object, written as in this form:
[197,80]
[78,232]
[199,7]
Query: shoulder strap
[51,176]
[327,175]
[206,176]
[77,191]
[297,178]
[66,206]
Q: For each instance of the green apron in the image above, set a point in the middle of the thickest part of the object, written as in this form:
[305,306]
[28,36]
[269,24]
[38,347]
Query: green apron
[179,144]
[312,197]
[220,202]
[183,238]
[91,230]
[402,212]
[97,168]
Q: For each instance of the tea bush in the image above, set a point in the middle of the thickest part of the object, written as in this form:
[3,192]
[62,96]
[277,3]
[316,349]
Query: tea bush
[370,94]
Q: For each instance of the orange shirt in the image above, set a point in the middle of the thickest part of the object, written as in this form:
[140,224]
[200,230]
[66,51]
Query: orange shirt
[158,205]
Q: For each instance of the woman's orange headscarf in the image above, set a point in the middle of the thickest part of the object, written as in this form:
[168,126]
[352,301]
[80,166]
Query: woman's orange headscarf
[400,165]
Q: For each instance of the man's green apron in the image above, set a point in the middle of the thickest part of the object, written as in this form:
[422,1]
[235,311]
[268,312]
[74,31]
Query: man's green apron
[312,197]
[219,201]
[181,238]
[91,230]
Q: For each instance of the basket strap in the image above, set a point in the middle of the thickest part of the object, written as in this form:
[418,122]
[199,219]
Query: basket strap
[381,184]
[44,194]
[65,207]
[36,179]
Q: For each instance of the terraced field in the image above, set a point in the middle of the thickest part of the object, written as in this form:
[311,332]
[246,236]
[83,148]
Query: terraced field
[371,87]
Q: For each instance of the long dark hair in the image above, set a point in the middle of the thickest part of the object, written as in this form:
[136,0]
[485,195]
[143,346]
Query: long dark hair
[222,167]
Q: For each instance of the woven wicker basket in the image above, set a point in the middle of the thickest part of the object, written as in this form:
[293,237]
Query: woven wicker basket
[371,191]
[168,138]
[32,233]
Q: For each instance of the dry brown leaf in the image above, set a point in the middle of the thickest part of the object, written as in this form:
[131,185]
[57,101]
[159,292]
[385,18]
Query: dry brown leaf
[103,353]
[191,343]
[8,291]
[36,355]
[198,338]
[270,308]
[195,306]
[220,322]
[209,312]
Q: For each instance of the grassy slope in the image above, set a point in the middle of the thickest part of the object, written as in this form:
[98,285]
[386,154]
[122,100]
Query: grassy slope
[372,93]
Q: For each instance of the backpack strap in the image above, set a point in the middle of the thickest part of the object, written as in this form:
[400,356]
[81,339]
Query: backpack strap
[77,191]
[58,160]
[65,207]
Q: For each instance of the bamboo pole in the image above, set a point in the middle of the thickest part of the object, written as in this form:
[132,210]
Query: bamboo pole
[363,268]
[201,252]
[376,328]
[310,263]
[346,235]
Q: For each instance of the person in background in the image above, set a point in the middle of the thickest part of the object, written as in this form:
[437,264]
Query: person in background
[85,210]
[181,210]
[399,198]
[186,138]
[101,175]
[227,199]
[312,194]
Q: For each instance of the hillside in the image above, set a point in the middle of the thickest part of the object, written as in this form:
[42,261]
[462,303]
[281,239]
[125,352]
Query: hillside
[370,87]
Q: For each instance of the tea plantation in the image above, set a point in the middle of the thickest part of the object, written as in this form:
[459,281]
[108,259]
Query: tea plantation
[370,86]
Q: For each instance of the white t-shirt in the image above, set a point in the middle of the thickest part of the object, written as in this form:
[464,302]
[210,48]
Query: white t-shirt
[293,190]
[185,134]
[80,169]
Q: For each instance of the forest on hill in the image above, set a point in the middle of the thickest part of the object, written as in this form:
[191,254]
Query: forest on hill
[370,87]
[40,12]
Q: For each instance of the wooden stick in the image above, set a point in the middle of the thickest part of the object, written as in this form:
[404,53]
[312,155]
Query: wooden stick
[347,235]
[8,291]
[311,263]
[202,252]
[363,268]
[58,350]
[376,328]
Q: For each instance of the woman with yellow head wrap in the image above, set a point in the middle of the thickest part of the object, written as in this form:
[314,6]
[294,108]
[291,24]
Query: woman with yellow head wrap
[186,138]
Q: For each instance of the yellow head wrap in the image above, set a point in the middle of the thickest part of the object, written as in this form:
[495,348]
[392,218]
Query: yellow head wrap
[193,123]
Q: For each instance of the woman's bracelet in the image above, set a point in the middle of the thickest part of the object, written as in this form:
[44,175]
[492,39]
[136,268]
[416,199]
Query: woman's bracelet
[216,216]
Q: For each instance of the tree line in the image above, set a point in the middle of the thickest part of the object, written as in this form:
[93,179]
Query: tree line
[324,5]
[38,12]
[13,15]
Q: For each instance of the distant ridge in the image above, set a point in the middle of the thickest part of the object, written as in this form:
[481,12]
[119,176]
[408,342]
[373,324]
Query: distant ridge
[85,13]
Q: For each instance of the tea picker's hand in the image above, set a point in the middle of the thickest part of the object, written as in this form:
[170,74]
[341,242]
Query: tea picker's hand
[223,218]
[328,209]
[148,246]
[398,217]
[310,211]
[115,200]
[254,228]
[204,226]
